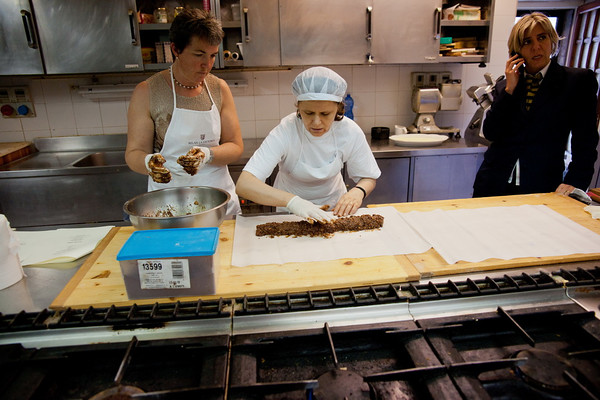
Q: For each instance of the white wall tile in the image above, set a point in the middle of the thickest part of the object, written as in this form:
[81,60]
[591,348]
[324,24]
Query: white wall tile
[363,79]
[114,130]
[61,117]
[346,72]
[365,123]
[12,136]
[87,114]
[387,121]
[266,107]
[10,125]
[63,132]
[248,129]
[266,83]
[244,106]
[285,79]
[113,113]
[31,135]
[90,131]
[39,122]
[264,127]
[56,90]
[36,92]
[287,104]
[386,103]
[364,104]
[387,78]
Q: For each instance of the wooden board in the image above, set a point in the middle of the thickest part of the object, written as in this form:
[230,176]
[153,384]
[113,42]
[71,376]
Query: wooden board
[12,151]
[99,282]
[430,263]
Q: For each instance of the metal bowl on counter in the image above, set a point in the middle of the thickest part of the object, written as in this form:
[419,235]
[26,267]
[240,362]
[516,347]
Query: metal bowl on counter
[180,207]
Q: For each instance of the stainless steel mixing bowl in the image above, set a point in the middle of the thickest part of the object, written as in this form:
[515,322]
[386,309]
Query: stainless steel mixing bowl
[180,207]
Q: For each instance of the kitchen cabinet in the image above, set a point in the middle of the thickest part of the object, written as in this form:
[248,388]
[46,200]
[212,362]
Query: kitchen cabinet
[324,32]
[466,40]
[444,177]
[260,33]
[69,36]
[19,46]
[393,184]
[380,32]
[405,33]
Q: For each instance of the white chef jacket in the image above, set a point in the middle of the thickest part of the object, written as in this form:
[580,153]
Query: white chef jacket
[291,147]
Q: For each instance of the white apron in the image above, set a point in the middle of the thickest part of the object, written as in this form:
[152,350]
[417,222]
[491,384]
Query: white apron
[318,184]
[195,128]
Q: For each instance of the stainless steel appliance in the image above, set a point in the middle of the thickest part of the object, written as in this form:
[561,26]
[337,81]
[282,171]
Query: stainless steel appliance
[69,36]
[427,100]
[503,335]
[482,96]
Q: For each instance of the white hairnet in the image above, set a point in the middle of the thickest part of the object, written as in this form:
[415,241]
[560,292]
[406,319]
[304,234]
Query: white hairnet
[319,83]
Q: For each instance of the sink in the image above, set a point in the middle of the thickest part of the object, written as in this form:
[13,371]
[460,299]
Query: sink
[101,159]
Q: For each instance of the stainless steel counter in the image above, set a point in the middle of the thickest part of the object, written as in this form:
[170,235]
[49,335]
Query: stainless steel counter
[60,153]
[387,149]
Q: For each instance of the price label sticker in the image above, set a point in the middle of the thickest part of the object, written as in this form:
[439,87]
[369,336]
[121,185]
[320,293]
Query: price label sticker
[164,273]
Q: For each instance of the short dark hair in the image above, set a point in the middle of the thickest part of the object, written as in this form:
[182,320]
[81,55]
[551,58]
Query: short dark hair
[195,22]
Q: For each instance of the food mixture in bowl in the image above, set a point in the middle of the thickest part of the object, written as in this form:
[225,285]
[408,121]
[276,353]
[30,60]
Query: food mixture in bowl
[172,211]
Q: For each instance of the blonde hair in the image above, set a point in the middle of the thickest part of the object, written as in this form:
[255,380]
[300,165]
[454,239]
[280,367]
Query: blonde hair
[528,22]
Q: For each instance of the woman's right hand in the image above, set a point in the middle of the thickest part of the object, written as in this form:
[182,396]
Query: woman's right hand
[512,72]
[307,210]
[157,171]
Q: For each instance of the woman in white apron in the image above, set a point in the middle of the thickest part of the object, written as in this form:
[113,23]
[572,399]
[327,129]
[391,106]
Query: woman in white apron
[176,110]
[310,148]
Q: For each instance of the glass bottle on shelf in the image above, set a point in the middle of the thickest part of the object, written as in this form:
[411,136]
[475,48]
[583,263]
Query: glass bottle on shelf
[160,15]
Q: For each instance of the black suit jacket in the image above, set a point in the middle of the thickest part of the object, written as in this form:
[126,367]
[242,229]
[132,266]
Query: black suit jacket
[565,103]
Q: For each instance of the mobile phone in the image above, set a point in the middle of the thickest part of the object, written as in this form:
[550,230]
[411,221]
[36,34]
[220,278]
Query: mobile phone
[520,56]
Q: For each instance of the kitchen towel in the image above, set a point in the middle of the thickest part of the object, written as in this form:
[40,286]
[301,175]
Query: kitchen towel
[395,237]
[502,232]
[11,271]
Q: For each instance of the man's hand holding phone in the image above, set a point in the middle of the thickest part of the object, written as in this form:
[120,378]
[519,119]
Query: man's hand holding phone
[513,71]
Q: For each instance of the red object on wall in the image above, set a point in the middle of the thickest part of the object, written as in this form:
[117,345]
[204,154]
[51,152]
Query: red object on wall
[7,110]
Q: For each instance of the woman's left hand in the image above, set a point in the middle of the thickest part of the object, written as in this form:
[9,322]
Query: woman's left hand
[348,203]
[564,189]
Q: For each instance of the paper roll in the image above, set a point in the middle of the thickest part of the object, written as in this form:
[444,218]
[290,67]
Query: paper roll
[11,271]
[227,54]
[235,56]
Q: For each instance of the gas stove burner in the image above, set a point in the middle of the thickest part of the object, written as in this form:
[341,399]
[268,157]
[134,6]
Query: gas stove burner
[120,392]
[342,384]
[544,370]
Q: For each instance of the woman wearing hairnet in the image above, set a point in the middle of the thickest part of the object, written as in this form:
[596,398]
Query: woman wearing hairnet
[310,148]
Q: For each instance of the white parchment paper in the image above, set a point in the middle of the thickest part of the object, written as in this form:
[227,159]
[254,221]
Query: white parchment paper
[502,232]
[396,237]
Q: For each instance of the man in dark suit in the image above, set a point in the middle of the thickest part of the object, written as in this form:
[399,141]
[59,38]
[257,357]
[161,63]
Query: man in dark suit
[530,120]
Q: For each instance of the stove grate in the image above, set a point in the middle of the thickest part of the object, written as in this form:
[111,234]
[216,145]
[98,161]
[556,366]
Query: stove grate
[156,315]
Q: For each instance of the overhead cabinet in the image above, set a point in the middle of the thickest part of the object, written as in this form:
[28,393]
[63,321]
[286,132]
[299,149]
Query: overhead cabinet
[405,33]
[260,33]
[359,31]
[324,32]
[314,32]
[69,37]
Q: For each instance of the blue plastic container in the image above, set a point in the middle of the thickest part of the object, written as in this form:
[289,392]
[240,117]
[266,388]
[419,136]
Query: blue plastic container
[170,262]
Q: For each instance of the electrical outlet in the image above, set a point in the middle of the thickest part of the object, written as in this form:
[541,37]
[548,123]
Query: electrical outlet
[418,79]
[433,79]
[16,102]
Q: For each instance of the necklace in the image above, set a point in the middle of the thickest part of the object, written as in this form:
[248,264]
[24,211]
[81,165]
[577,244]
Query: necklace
[184,86]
